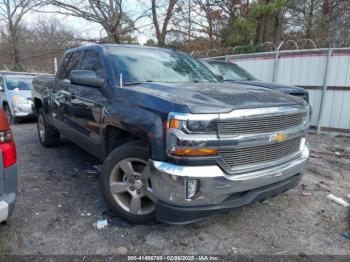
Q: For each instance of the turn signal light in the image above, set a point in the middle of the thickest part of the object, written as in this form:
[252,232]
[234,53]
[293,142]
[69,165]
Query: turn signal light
[194,152]
[174,123]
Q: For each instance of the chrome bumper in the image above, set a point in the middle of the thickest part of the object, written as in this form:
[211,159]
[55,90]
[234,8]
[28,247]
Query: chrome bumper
[169,180]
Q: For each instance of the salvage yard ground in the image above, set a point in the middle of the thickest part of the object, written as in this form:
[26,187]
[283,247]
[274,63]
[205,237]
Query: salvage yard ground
[59,202]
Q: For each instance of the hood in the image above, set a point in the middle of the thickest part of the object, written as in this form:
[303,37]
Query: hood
[25,93]
[282,88]
[215,97]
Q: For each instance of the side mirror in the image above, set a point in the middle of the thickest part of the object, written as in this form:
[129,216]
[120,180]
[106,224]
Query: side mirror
[86,78]
[1,88]
[220,78]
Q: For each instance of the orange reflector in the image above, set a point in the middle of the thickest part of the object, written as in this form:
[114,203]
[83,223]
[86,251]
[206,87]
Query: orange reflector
[194,152]
[174,123]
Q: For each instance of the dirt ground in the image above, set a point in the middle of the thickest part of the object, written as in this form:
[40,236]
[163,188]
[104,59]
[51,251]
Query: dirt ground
[59,202]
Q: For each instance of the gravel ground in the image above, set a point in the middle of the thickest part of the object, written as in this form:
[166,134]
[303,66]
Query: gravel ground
[59,202]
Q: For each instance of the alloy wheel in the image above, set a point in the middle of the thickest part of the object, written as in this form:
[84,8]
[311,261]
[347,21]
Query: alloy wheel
[131,187]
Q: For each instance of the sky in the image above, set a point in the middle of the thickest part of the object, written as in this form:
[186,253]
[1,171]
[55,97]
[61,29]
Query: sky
[93,30]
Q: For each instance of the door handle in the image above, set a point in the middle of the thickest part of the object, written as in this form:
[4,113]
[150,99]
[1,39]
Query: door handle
[73,96]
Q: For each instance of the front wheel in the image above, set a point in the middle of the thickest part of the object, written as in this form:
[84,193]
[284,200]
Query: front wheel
[125,186]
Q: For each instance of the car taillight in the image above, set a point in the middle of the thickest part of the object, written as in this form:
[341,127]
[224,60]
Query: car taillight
[7,148]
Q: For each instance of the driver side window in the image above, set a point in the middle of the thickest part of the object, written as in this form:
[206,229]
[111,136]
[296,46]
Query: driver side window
[70,62]
[92,62]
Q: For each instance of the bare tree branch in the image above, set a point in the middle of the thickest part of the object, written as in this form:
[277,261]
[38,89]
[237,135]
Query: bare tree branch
[108,13]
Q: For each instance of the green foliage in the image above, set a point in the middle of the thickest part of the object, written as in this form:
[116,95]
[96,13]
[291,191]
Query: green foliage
[240,31]
[17,68]
[151,42]
[266,8]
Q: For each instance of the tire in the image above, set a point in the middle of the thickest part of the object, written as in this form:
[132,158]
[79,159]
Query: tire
[12,120]
[121,200]
[48,135]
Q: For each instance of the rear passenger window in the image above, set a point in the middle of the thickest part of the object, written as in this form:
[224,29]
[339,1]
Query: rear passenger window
[70,62]
[92,62]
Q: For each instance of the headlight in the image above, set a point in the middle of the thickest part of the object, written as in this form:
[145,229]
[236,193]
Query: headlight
[194,126]
[20,100]
[192,135]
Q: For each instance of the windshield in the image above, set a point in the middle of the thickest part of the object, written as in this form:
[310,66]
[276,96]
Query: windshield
[229,71]
[19,82]
[156,65]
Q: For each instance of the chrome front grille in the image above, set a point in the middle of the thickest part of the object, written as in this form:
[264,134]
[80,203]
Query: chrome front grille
[260,124]
[237,157]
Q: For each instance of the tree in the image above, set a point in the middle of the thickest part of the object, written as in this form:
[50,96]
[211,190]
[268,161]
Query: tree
[267,12]
[303,14]
[210,21]
[162,31]
[47,39]
[12,13]
[235,9]
[240,32]
[39,44]
[108,13]
[239,28]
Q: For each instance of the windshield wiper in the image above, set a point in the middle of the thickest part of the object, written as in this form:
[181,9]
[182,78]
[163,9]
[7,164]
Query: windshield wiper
[137,82]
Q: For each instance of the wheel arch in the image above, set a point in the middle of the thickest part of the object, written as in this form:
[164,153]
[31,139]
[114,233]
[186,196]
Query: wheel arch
[115,136]
[37,104]
[5,103]
[141,123]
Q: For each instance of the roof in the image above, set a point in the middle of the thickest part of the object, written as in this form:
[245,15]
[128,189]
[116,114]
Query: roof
[104,46]
[215,61]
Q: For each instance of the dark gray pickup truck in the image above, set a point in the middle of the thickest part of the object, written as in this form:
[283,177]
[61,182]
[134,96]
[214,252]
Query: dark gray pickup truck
[176,145]
[231,72]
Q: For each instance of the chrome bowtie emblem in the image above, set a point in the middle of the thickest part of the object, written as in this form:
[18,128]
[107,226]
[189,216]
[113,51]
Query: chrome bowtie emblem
[279,137]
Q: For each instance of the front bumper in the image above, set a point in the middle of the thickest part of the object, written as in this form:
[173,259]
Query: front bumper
[217,188]
[22,110]
[7,205]
[184,215]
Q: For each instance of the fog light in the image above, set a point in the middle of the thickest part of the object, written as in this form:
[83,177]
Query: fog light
[192,186]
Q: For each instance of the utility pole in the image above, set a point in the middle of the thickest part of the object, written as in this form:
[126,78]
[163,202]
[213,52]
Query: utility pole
[55,65]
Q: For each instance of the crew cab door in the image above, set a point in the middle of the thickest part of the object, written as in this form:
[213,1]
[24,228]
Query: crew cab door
[60,92]
[87,103]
